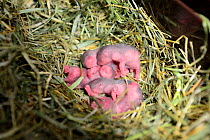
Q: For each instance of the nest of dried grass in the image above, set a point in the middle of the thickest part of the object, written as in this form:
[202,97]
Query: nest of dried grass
[39,38]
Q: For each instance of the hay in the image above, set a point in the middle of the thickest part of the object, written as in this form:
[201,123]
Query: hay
[39,38]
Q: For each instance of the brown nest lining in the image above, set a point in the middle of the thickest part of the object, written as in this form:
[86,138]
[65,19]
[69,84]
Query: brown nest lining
[39,38]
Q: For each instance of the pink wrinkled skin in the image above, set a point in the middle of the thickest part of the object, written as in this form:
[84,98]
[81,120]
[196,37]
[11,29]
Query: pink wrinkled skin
[102,66]
[129,101]
[111,87]
[116,69]
[132,98]
[105,71]
[89,74]
[105,102]
[89,58]
[127,57]
[74,73]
